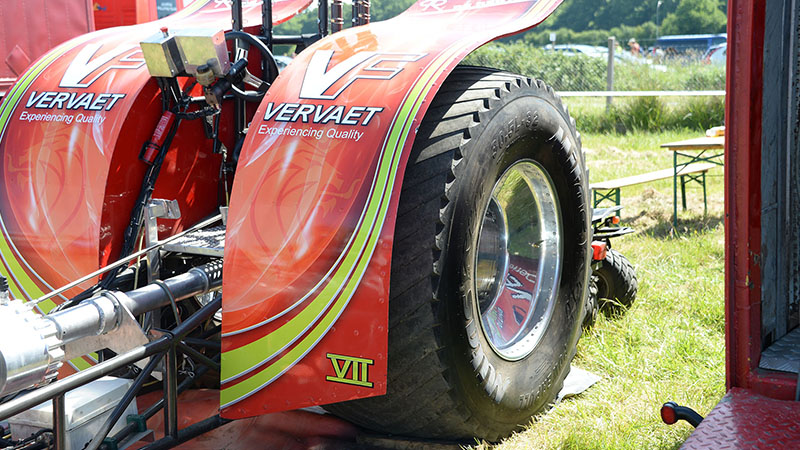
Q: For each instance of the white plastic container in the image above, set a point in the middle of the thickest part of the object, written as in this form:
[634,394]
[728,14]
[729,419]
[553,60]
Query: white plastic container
[87,408]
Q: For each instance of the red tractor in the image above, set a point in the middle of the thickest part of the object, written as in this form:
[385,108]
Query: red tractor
[376,229]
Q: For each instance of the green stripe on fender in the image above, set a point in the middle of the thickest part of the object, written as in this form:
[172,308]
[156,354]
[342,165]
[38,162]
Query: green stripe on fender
[370,231]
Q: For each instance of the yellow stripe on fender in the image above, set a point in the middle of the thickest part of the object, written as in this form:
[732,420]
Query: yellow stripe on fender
[274,233]
[376,214]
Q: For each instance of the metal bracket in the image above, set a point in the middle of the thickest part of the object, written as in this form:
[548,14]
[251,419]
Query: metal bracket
[126,336]
[157,209]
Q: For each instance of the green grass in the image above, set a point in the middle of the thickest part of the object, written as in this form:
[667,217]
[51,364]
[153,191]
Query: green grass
[670,344]
[560,70]
[638,114]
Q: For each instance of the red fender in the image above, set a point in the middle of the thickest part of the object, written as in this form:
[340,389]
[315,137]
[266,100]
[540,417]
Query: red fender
[70,134]
[311,221]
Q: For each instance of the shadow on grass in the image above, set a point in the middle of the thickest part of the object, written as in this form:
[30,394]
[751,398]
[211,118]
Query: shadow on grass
[664,229]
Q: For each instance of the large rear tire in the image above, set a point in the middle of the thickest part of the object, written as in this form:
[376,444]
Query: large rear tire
[490,263]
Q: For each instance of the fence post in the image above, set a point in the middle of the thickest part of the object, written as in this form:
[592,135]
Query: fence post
[612,44]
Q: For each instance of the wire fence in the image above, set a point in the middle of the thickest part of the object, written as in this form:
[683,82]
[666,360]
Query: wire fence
[584,70]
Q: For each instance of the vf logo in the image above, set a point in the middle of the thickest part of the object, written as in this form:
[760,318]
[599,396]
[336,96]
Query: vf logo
[326,83]
[358,368]
[87,62]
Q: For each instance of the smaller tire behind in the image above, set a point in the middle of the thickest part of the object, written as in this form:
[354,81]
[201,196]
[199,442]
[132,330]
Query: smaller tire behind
[616,281]
[592,303]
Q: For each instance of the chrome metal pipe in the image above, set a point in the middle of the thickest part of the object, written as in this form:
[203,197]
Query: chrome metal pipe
[35,358]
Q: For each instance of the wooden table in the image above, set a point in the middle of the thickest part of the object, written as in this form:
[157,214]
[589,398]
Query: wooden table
[689,151]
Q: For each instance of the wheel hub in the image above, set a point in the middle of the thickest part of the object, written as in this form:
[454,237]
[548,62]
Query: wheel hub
[518,260]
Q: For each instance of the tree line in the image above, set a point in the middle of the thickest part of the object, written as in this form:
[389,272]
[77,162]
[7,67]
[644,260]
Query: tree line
[583,21]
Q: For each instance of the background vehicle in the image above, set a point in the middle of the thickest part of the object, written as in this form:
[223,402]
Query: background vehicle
[399,238]
[717,54]
[613,284]
[578,49]
[689,43]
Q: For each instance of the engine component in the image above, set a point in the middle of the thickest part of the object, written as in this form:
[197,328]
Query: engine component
[86,408]
[184,51]
[199,47]
[32,346]
[161,55]
[30,351]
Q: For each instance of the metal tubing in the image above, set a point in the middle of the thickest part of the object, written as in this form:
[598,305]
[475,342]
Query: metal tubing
[322,18]
[239,111]
[675,190]
[196,281]
[91,317]
[266,21]
[100,370]
[211,332]
[81,378]
[103,314]
[612,44]
[188,433]
[124,260]
[305,39]
[126,400]
[171,393]
[197,318]
[199,356]
[155,407]
[60,422]
[236,15]
[203,343]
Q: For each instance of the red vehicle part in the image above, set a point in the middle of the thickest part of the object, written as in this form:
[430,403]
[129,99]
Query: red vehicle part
[81,114]
[743,205]
[310,226]
[744,419]
[761,408]
[599,250]
[317,188]
[76,121]
[28,29]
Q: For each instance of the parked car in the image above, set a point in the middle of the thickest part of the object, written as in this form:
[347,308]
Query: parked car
[578,49]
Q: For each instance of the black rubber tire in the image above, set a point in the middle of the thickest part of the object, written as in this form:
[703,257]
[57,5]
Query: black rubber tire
[592,303]
[445,381]
[616,281]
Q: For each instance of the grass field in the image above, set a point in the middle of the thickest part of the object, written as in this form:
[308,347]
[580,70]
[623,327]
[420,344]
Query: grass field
[670,344]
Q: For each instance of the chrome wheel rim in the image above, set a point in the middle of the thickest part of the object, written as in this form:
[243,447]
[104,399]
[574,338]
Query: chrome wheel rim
[517,264]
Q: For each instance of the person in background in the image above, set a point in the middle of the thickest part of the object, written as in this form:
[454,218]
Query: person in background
[634,46]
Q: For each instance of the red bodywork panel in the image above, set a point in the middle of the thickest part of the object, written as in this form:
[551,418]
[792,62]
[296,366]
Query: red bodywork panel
[311,220]
[746,420]
[29,28]
[743,112]
[308,249]
[72,128]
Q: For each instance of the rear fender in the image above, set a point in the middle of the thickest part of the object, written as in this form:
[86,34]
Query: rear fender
[313,206]
[70,133]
